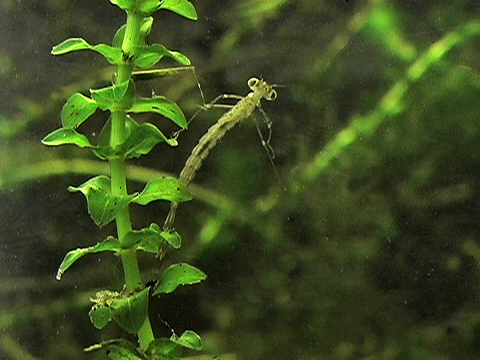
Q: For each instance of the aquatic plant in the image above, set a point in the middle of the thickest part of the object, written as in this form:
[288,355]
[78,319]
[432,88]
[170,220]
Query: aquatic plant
[122,138]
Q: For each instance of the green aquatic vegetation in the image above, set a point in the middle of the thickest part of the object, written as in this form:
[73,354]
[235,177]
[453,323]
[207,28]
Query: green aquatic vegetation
[391,103]
[123,138]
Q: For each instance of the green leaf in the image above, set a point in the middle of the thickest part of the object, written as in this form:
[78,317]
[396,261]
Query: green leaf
[133,237]
[142,140]
[130,312]
[147,56]
[118,37]
[116,352]
[145,29]
[163,188]
[100,316]
[102,205]
[118,349]
[149,6]
[69,45]
[109,244]
[163,349]
[124,4]
[143,6]
[109,98]
[105,133]
[146,60]
[160,105]
[181,7]
[105,151]
[65,136]
[176,275]
[149,240]
[113,55]
[150,244]
[188,339]
[145,239]
[76,110]
[172,238]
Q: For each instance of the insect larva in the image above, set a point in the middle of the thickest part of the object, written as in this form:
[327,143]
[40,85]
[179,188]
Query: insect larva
[242,110]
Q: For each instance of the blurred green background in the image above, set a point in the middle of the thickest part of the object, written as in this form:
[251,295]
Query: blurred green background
[373,250]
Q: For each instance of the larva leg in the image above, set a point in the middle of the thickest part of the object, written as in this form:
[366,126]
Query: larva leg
[213,103]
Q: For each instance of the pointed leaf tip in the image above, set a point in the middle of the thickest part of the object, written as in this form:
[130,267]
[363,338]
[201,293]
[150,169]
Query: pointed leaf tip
[188,339]
[180,7]
[69,45]
[176,275]
[65,136]
[109,244]
[76,110]
[163,188]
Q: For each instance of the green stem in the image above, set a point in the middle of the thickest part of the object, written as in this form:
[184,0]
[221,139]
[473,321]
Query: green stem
[118,178]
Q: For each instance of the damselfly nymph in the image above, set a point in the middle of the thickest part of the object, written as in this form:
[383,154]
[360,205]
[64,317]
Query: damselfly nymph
[241,111]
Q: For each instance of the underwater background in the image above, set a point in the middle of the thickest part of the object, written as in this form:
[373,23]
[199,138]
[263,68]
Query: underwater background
[367,244]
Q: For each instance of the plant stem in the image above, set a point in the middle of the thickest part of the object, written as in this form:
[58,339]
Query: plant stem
[118,178]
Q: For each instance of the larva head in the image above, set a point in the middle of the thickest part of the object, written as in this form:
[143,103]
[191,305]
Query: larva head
[262,86]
